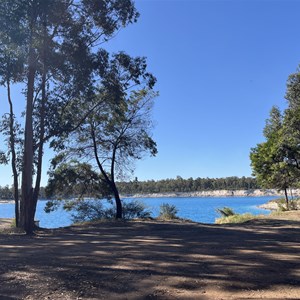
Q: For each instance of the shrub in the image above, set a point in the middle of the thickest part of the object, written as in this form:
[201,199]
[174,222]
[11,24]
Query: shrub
[236,218]
[229,216]
[168,212]
[294,204]
[281,203]
[225,211]
[135,209]
[92,210]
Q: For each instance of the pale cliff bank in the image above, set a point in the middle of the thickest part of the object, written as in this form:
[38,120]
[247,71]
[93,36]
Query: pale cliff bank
[218,193]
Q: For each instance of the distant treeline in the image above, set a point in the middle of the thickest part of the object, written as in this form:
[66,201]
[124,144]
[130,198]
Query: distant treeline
[7,193]
[177,185]
[187,185]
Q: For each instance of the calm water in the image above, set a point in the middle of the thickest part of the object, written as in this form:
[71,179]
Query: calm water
[196,209]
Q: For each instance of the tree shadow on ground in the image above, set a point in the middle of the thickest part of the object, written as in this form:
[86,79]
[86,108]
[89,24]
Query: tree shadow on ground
[152,260]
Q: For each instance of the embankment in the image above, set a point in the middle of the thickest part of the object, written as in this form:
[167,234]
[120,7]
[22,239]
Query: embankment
[218,193]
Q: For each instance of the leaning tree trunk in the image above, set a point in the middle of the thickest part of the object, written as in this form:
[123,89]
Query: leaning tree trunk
[119,209]
[109,181]
[286,199]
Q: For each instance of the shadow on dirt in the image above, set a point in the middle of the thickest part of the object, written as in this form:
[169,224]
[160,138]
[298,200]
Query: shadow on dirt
[149,260]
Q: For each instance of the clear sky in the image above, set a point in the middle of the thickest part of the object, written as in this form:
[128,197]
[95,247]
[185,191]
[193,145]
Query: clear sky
[220,67]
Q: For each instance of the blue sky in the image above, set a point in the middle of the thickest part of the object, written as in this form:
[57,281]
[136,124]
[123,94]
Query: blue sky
[220,66]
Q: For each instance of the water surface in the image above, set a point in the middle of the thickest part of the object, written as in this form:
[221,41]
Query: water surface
[196,209]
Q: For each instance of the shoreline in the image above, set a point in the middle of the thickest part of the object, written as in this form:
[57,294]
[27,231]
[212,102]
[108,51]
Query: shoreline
[216,193]
[202,194]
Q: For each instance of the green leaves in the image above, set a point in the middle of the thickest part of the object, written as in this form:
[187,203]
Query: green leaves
[75,179]
[276,162]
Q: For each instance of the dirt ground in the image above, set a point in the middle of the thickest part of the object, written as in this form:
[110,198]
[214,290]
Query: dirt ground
[154,260]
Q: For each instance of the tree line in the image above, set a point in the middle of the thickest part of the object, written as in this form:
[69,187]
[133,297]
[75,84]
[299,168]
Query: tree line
[187,185]
[7,193]
[178,184]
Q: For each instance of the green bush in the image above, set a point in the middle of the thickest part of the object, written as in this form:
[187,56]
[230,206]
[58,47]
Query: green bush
[168,212]
[281,202]
[293,204]
[92,210]
[236,218]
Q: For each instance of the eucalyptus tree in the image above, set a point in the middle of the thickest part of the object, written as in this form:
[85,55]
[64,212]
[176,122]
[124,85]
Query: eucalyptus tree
[59,39]
[119,130]
[12,60]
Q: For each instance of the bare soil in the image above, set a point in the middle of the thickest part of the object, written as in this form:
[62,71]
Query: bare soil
[154,260]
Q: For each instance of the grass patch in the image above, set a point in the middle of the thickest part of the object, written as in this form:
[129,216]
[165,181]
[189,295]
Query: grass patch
[235,219]
[228,216]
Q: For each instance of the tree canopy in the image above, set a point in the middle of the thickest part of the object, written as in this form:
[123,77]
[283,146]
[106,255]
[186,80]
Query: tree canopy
[275,162]
[53,48]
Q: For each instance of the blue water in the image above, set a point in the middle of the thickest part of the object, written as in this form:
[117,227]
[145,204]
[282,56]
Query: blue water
[196,209]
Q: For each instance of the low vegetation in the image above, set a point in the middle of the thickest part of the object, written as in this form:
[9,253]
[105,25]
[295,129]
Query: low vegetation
[236,218]
[281,205]
[93,210]
[292,204]
[168,212]
[229,216]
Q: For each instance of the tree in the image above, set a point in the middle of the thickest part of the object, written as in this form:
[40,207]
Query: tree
[12,58]
[117,132]
[114,140]
[269,159]
[58,39]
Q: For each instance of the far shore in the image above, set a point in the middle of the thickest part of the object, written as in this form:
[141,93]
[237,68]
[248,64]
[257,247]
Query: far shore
[216,193]
[203,194]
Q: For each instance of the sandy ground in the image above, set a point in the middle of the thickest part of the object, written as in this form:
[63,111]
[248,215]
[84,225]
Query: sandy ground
[154,260]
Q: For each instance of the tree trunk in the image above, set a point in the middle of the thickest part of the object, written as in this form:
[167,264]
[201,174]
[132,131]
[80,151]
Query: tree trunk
[27,221]
[110,182]
[13,154]
[27,209]
[119,209]
[286,199]
[42,122]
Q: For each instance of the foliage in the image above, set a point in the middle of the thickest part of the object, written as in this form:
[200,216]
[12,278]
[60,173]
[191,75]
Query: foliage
[180,185]
[135,210]
[225,211]
[6,193]
[75,179]
[117,132]
[229,216]
[273,161]
[276,162]
[267,159]
[91,210]
[52,47]
[168,212]
[236,218]
[293,204]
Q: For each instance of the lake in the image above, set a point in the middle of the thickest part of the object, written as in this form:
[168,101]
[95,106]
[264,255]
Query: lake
[196,209]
